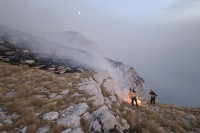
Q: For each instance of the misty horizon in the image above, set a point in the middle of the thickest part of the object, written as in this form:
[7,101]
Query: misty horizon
[159,39]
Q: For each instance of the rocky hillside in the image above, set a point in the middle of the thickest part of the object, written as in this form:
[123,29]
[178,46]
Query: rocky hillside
[34,51]
[44,88]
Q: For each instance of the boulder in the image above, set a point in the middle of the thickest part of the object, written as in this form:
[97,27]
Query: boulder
[30,62]
[100,76]
[91,87]
[98,100]
[190,117]
[66,131]
[72,121]
[110,85]
[8,121]
[43,129]
[41,96]
[101,119]
[77,130]
[23,130]
[50,116]
[78,109]
[113,98]
[96,126]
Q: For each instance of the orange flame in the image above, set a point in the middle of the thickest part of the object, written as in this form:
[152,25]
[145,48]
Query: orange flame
[129,101]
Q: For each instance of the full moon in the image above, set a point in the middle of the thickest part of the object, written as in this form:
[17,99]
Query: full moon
[79,13]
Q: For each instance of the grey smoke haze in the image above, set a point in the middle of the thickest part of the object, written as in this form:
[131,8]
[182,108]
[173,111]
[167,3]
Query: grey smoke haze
[160,39]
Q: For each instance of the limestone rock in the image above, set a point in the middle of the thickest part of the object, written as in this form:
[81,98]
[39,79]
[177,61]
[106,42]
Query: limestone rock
[23,130]
[50,116]
[65,92]
[91,87]
[41,96]
[54,95]
[43,129]
[29,61]
[110,85]
[77,130]
[10,85]
[96,126]
[8,121]
[98,100]
[108,102]
[63,78]
[127,77]
[190,117]
[113,98]
[101,76]
[66,131]
[10,94]
[78,109]
[72,121]
[101,118]
[77,95]
[42,89]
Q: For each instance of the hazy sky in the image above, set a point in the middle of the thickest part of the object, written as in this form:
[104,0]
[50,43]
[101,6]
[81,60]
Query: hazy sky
[161,39]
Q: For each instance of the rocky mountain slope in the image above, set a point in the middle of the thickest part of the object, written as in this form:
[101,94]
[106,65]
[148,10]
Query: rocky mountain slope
[45,87]
[73,39]
[50,55]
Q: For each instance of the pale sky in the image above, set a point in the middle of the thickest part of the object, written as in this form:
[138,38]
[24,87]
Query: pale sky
[160,38]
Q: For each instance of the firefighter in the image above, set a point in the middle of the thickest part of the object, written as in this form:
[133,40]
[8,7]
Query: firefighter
[153,96]
[132,96]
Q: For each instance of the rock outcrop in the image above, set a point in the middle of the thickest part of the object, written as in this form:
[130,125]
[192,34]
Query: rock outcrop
[127,78]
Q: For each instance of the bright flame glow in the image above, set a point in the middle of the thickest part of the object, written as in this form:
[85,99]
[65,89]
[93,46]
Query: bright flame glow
[129,101]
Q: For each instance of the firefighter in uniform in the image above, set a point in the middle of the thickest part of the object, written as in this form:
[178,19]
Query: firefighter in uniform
[153,96]
[133,98]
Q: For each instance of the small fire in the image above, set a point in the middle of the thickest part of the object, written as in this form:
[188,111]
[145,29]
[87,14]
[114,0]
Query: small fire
[128,100]
[138,101]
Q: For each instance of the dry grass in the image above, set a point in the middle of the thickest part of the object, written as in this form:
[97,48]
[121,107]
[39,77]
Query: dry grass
[25,101]
[57,129]
[85,126]
[3,48]
[91,107]
[168,118]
